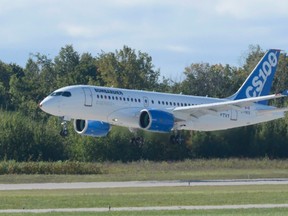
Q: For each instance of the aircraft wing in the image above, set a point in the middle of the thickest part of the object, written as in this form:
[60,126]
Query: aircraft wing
[197,111]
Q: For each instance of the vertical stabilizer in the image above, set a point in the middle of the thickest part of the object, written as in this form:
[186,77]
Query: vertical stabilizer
[259,82]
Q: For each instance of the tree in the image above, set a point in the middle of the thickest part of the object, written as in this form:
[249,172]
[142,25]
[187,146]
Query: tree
[5,74]
[86,72]
[27,133]
[280,82]
[205,80]
[65,65]
[126,69]
[255,53]
[47,74]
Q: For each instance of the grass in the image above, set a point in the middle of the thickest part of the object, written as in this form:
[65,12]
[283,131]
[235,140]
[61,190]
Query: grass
[46,168]
[183,170]
[149,175]
[162,196]
[139,197]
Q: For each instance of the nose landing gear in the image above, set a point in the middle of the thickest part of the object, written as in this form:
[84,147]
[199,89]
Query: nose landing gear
[64,130]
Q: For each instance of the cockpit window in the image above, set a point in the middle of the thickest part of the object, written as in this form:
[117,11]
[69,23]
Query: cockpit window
[65,93]
[56,94]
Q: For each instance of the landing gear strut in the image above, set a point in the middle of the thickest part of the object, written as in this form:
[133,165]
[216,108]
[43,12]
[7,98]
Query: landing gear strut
[137,140]
[64,130]
[177,138]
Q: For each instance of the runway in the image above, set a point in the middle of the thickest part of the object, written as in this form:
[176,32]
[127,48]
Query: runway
[135,184]
[131,184]
[152,208]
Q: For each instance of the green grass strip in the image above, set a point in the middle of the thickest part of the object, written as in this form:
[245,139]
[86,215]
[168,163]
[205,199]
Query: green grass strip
[142,170]
[138,197]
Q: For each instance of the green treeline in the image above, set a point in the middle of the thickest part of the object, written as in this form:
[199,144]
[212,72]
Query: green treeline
[28,134]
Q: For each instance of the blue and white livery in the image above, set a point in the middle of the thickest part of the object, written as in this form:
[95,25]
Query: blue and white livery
[94,109]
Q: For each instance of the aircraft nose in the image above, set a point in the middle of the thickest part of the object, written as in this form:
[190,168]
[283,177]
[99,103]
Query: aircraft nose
[45,104]
[49,105]
[40,104]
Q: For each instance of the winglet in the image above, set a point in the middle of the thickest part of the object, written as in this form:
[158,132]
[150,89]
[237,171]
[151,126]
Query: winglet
[259,82]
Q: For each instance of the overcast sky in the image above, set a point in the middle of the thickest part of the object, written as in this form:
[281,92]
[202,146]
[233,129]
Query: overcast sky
[174,33]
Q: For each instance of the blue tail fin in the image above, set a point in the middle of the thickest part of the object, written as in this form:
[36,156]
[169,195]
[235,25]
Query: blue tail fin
[259,82]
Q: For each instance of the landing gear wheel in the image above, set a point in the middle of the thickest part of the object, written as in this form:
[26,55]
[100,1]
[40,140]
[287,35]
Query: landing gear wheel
[64,131]
[140,140]
[137,141]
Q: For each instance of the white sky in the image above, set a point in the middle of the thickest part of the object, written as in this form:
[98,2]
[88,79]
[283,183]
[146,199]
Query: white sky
[174,33]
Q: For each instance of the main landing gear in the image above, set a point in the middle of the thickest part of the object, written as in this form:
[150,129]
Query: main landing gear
[177,138]
[64,130]
[136,140]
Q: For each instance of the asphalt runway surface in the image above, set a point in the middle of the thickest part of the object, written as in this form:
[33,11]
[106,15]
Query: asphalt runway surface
[131,184]
[84,185]
[152,208]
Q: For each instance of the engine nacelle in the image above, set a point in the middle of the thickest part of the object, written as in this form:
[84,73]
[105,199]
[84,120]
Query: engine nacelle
[91,128]
[156,120]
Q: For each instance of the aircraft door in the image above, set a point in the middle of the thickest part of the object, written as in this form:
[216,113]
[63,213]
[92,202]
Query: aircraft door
[234,115]
[88,97]
[145,101]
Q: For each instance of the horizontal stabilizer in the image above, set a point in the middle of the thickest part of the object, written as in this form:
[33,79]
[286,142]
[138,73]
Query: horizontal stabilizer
[203,109]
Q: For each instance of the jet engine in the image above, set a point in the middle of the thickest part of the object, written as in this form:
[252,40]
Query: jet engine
[156,120]
[91,128]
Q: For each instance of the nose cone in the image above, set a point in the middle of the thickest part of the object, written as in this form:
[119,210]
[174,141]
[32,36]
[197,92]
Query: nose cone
[50,105]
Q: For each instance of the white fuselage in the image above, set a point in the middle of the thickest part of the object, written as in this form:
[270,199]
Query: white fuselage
[122,107]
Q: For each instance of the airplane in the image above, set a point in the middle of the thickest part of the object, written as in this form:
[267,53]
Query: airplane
[94,109]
